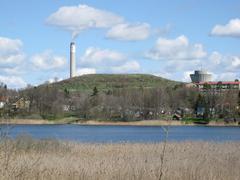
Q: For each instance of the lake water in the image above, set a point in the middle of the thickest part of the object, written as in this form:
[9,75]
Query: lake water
[113,134]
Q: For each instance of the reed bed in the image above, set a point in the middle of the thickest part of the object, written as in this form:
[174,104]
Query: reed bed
[26,158]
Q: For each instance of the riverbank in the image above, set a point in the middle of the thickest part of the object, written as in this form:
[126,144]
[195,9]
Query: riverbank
[26,158]
[153,123]
[119,123]
[132,123]
[25,121]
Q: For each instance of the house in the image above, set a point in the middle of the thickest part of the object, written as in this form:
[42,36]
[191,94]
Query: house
[66,108]
[21,104]
[3,101]
[220,85]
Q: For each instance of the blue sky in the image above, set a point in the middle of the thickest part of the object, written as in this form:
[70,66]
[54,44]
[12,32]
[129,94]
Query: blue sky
[164,38]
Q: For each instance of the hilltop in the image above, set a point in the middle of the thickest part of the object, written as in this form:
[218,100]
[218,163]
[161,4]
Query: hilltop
[105,82]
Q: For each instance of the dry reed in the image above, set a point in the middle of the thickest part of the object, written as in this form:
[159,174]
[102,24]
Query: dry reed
[26,158]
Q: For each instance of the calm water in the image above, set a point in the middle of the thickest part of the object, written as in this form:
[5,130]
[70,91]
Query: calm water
[95,134]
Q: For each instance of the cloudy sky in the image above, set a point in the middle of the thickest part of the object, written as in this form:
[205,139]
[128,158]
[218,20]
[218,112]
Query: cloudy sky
[168,38]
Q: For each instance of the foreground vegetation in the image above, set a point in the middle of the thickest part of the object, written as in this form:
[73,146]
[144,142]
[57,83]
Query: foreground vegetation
[25,158]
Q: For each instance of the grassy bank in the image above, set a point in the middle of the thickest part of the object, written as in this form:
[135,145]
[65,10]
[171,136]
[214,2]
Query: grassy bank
[132,123]
[25,158]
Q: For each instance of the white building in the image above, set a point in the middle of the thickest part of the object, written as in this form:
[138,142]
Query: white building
[200,76]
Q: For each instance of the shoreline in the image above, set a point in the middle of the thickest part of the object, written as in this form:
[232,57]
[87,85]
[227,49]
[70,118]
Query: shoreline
[154,123]
[108,123]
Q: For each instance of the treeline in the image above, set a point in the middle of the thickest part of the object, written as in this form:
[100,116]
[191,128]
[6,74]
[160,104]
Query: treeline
[130,103]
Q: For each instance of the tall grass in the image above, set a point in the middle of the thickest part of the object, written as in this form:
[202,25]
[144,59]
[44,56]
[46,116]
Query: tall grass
[26,158]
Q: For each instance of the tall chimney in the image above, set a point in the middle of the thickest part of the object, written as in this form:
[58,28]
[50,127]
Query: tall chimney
[72,59]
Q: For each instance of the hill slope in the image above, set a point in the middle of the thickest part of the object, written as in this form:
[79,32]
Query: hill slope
[105,82]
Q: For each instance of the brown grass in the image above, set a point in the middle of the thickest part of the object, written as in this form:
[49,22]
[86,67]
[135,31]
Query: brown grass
[134,123]
[25,158]
[96,122]
[25,121]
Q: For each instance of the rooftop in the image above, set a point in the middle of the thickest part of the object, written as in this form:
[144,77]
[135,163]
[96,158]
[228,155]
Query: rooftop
[219,82]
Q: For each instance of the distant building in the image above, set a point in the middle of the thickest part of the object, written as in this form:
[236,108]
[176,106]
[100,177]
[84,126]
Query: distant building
[2,104]
[220,85]
[200,76]
[3,101]
[21,104]
[202,81]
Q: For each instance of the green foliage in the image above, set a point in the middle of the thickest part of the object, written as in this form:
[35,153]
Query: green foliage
[66,92]
[200,101]
[239,98]
[52,117]
[203,103]
[95,91]
[206,86]
[196,120]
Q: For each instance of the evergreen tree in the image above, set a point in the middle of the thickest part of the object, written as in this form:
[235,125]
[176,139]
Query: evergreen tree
[95,91]
[239,98]
[66,93]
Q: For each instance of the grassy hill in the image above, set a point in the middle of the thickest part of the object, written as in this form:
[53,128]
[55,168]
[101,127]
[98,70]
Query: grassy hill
[105,82]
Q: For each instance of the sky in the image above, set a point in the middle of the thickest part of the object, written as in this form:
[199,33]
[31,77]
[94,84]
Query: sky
[167,38]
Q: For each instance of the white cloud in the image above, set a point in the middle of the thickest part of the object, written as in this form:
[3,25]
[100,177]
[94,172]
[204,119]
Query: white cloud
[53,80]
[130,66]
[17,70]
[218,63]
[186,76]
[105,61]
[77,18]
[227,76]
[235,62]
[222,67]
[10,45]
[176,49]
[83,71]
[14,82]
[175,65]
[96,56]
[47,60]
[231,29]
[129,32]
[11,51]
[163,74]
[232,63]
[214,76]
[215,58]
